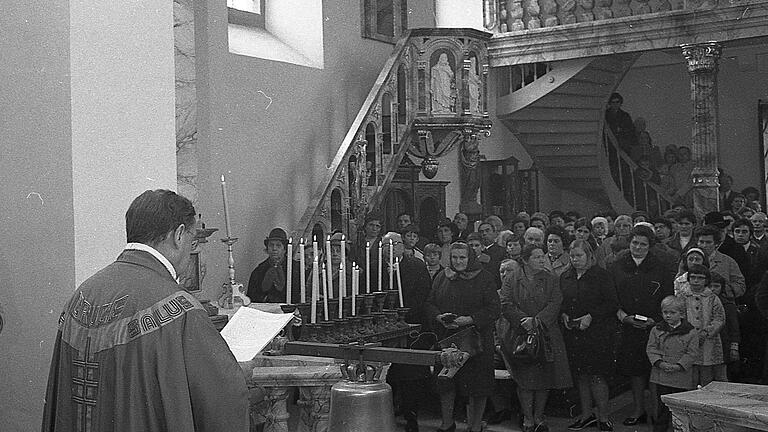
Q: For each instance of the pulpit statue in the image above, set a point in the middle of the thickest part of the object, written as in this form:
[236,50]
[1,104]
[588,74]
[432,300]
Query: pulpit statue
[469,174]
[443,86]
[474,84]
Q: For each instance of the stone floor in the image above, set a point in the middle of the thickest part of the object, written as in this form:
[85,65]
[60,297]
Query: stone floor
[620,407]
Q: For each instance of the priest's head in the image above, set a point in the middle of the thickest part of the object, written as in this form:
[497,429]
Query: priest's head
[165,221]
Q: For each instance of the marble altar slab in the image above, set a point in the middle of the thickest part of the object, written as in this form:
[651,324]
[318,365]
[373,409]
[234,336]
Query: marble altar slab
[720,406]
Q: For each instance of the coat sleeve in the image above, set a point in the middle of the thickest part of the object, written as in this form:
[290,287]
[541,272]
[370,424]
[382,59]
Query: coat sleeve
[486,316]
[217,386]
[509,307]
[690,353]
[653,348]
[431,310]
[551,311]
[761,295]
[422,287]
[717,320]
[736,279]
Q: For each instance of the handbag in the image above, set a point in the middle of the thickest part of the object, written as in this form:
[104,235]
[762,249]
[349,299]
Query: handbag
[532,346]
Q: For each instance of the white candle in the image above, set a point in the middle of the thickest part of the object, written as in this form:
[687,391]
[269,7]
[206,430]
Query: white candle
[226,206]
[355,280]
[368,267]
[302,273]
[342,283]
[315,289]
[399,283]
[325,296]
[380,259]
[391,264]
[289,271]
[343,261]
[328,266]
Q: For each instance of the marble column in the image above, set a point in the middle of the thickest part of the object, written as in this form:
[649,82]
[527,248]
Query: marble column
[702,67]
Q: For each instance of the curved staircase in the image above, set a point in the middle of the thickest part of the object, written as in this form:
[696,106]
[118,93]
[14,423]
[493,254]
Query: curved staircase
[559,119]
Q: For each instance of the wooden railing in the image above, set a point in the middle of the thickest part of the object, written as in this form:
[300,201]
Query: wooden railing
[639,193]
[516,77]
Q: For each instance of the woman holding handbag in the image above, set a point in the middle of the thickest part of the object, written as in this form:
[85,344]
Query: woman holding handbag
[465,295]
[588,314]
[530,301]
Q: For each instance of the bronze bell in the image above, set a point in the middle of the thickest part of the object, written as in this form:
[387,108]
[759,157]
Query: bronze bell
[361,403]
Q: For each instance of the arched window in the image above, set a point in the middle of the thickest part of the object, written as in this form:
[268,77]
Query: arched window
[370,153]
[336,210]
[386,123]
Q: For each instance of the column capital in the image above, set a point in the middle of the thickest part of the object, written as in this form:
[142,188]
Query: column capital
[702,57]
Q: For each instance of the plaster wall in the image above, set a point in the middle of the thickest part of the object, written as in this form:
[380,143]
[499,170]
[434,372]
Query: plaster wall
[657,88]
[88,90]
[273,127]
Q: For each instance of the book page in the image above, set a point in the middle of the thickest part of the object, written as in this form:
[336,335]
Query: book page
[250,330]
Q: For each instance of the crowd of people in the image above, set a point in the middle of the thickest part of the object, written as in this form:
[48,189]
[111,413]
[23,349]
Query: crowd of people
[669,302]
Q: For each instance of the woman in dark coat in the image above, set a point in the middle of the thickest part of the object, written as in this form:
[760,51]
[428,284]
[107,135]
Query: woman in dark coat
[642,281]
[588,314]
[464,295]
[528,295]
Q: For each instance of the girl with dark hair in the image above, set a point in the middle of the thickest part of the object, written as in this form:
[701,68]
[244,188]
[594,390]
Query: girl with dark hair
[529,297]
[465,295]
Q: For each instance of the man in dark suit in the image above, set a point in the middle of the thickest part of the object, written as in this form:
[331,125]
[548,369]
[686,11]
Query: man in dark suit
[492,249]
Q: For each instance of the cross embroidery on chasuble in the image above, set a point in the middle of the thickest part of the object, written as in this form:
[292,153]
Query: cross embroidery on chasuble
[85,386]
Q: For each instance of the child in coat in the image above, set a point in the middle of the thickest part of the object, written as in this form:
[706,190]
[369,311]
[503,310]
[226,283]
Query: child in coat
[706,314]
[672,348]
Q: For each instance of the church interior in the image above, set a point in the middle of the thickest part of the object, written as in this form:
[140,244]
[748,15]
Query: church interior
[310,114]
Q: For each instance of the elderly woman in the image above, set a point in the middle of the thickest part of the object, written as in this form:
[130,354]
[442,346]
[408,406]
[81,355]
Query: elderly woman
[529,296]
[462,295]
[534,236]
[582,230]
[607,251]
[588,314]
[558,261]
[642,281]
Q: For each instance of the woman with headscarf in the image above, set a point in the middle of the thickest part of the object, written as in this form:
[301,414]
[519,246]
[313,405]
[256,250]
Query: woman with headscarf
[692,257]
[588,314]
[464,295]
[530,296]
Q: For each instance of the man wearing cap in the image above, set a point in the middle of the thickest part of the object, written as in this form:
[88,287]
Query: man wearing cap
[408,382]
[267,281]
[135,352]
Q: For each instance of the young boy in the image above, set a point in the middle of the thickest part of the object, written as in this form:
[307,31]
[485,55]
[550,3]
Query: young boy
[672,348]
[432,255]
[706,314]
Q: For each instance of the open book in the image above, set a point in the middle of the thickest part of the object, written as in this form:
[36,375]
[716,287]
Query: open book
[250,330]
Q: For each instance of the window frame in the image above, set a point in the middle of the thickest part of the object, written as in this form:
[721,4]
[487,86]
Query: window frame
[369,9]
[246,18]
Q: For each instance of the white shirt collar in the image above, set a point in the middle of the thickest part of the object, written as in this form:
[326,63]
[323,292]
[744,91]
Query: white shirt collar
[152,251]
[638,261]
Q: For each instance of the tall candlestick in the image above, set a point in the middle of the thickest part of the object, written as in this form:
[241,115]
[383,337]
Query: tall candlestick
[342,281]
[391,264]
[399,283]
[328,266]
[315,289]
[379,276]
[226,206]
[314,248]
[325,296]
[344,261]
[355,280]
[302,273]
[289,272]
[368,267]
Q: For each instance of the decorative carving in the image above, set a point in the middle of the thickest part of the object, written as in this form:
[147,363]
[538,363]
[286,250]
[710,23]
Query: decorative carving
[474,85]
[515,15]
[548,12]
[429,167]
[702,57]
[443,86]
[566,13]
[469,174]
[603,9]
[426,145]
[531,13]
[584,10]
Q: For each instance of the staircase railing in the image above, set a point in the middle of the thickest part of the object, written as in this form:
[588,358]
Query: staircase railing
[365,168]
[638,193]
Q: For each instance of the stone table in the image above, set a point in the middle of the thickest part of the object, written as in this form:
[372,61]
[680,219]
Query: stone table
[720,406]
